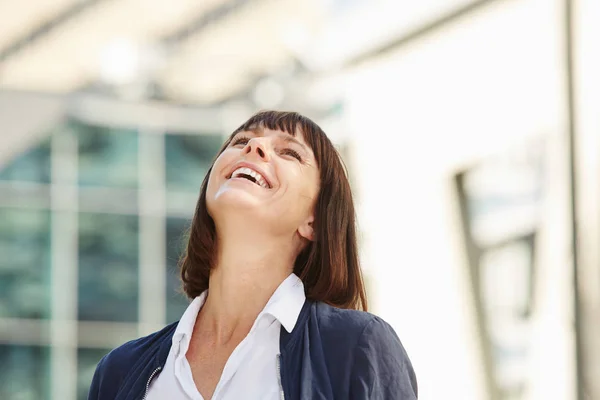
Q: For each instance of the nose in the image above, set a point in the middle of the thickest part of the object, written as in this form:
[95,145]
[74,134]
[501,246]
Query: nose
[257,146]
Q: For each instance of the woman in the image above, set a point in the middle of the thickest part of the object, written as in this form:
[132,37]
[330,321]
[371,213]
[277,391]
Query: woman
[272,267]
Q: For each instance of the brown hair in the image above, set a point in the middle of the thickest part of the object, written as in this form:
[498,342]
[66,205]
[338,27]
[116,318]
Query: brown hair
[329,265]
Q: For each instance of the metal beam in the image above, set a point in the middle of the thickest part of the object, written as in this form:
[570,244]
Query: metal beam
[572,160]
[46,27]
[202,21]
[473,258]
[426,29]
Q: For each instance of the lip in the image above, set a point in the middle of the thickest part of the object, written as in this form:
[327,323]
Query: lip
[253,167]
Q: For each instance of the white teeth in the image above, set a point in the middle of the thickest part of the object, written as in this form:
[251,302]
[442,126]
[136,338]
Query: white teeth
[260,180]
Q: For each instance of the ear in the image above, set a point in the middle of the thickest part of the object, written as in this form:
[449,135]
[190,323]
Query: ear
[306,229]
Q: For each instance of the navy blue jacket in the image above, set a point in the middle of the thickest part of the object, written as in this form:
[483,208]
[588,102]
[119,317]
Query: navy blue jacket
[330,354]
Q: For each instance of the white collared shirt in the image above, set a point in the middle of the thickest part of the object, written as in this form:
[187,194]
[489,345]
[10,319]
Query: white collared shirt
[251,370]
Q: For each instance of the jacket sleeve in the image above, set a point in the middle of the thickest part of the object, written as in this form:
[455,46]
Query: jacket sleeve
[94,392]
[381,368]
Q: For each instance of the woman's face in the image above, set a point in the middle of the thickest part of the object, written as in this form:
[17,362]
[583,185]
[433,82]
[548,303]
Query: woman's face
[271,176]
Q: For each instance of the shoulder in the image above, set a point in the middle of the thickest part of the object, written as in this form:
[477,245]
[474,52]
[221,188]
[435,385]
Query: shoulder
[345,330]
[350,322]
[380,366]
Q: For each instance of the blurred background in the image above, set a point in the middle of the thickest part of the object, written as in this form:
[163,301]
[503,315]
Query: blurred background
[470,129]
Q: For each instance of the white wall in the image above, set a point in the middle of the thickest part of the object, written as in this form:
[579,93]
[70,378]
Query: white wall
[421,114]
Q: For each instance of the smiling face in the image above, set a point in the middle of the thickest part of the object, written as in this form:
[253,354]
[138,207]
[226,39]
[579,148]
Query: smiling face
[269,176]
[297,181]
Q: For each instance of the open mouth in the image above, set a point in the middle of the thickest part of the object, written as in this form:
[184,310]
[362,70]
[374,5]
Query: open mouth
[252,176]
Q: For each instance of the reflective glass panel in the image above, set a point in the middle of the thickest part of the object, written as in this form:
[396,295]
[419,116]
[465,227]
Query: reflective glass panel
[107,156]
[108,267]
[24,263]
[24,372]
[32,165]
[87,359]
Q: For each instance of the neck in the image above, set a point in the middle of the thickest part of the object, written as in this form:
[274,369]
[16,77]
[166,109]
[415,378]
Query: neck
[246,274]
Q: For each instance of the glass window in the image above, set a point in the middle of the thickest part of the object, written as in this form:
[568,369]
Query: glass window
[87,359]
[188,158]
[108,267]
[24,372]
[30,166]
[107,156]
[176,240]
[25,263]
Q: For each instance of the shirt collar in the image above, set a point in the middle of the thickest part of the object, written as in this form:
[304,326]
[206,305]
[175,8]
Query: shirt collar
[284,305]
[185,327]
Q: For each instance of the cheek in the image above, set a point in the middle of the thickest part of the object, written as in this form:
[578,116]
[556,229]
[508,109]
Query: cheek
[215,172]
[313,185]
[221,160]
[220,164]
[307,193]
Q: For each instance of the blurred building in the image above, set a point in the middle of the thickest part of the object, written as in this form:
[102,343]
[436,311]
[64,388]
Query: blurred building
[451,116]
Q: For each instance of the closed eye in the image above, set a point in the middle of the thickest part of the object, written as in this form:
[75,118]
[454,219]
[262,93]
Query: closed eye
[243,140]
[293,153]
